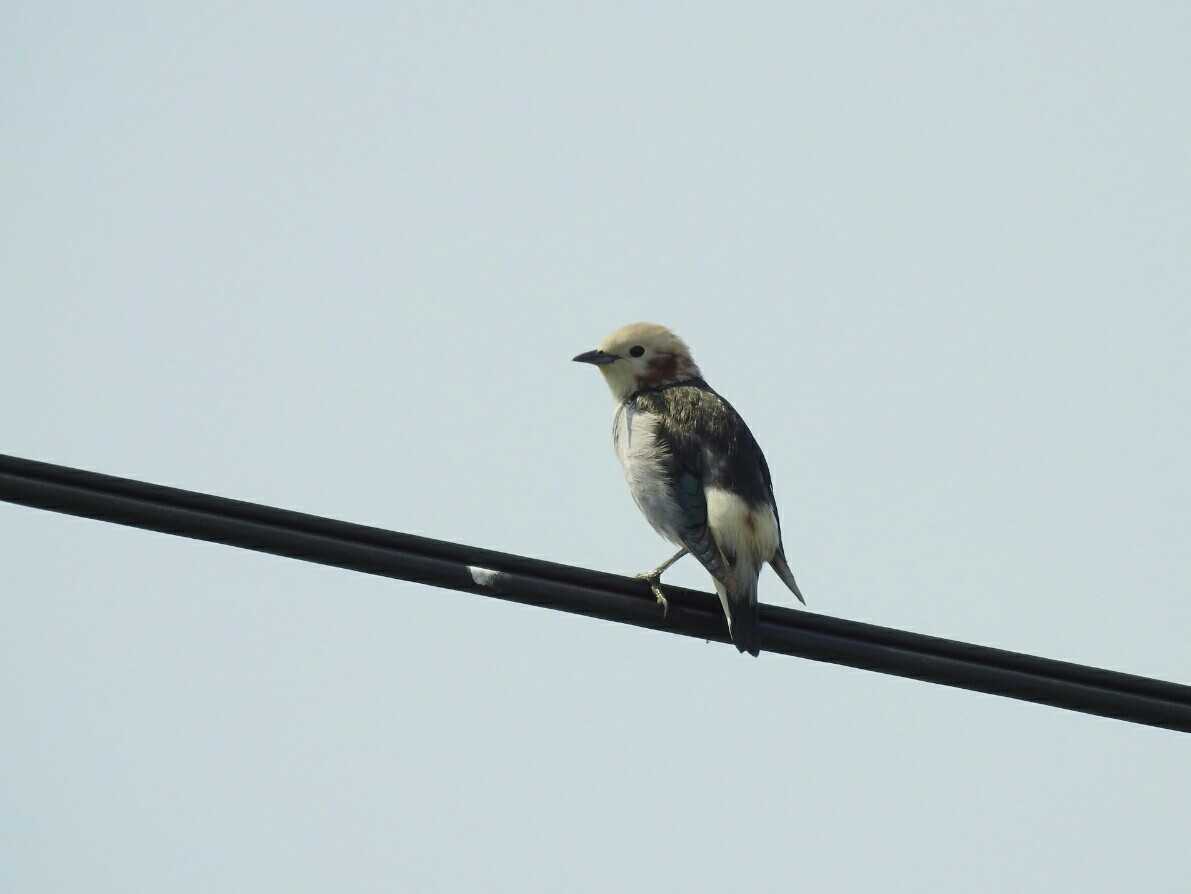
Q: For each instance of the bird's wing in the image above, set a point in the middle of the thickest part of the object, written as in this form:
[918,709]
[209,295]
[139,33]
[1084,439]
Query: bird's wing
[743,468]
[694,532]
[702,435]
[683,454]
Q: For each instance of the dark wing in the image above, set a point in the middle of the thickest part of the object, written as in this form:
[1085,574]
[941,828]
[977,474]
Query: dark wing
[687,470]
[739,464]
[710,446]
[695,535]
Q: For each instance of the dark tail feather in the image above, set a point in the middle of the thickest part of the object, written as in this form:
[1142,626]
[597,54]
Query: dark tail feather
[740,611]
[783,571]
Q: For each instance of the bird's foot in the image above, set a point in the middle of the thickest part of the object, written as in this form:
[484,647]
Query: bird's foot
[654,579]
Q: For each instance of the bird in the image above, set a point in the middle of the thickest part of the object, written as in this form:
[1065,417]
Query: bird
[694,470]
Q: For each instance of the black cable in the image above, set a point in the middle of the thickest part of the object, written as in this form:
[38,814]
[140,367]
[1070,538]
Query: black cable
[593,593]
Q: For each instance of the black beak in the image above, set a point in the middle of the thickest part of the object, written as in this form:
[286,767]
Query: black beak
[599,358]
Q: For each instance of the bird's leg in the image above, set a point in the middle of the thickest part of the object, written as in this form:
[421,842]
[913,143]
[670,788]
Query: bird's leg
[655,580]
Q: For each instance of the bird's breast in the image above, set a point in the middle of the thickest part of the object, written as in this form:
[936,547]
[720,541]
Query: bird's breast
[645,461]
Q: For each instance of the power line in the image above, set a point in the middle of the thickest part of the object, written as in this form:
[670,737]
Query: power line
[596,594]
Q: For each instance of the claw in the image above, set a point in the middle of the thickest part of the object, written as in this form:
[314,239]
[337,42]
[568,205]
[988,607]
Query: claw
[662,600]
[653,578]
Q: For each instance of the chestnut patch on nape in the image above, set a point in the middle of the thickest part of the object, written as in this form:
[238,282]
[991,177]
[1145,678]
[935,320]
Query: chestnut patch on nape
[662,368]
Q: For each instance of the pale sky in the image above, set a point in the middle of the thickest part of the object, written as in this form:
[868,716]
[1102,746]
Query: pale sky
[338,261]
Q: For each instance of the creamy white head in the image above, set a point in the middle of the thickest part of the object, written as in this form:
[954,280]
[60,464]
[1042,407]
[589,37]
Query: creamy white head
[642,355]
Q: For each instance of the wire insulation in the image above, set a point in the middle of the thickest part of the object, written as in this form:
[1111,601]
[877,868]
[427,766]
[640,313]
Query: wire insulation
[595,594]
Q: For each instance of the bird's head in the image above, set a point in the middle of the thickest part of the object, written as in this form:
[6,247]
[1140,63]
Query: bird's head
[641,355]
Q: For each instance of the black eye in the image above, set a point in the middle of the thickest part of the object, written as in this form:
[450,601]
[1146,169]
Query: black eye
[636,351]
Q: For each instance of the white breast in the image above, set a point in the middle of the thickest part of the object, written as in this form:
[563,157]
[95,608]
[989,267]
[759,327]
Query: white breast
[644,460]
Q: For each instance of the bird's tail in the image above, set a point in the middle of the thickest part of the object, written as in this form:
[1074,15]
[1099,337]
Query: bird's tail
[783,571]
[738,596]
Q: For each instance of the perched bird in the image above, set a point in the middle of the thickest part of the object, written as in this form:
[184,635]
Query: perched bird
[694,469]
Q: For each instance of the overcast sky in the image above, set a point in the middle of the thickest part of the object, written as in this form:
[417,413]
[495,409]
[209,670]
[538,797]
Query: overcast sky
[938,255]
